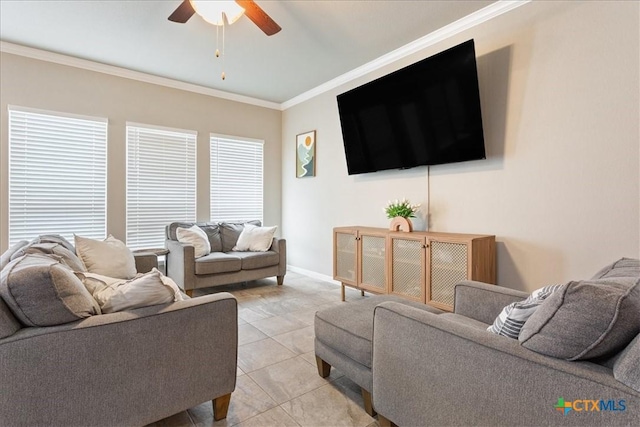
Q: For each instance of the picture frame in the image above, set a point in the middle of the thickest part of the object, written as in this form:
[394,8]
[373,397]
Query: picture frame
[306,154]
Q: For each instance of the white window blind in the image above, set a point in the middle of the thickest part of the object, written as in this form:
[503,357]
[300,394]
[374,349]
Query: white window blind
[161,182]
[236,178]
[57,174]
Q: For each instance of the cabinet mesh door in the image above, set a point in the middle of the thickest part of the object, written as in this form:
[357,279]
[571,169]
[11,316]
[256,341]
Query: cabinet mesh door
[407,267]
[448,267]
[346,256]
[373,262]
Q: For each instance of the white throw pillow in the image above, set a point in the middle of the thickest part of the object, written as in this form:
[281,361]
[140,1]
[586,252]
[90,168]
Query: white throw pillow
[147,289]
[196,237]
[255,239]
[109,257]
[512,318]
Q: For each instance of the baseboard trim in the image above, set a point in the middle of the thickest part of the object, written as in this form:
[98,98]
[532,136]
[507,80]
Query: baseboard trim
[312,274]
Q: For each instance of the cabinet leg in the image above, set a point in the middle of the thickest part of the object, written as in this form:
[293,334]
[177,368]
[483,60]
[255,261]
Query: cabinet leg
[342,291]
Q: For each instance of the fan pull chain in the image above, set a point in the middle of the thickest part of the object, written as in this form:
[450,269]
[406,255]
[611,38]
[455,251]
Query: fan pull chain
[223,26]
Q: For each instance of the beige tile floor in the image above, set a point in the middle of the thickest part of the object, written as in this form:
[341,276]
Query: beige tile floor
[278,383]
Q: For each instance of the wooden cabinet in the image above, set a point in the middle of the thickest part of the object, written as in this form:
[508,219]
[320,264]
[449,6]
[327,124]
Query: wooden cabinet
[359,259]
[420,266]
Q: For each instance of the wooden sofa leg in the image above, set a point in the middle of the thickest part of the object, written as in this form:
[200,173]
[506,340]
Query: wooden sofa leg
[221,406]
[324,369]
[189,293]
[384,422]
[368,406]
[280,280]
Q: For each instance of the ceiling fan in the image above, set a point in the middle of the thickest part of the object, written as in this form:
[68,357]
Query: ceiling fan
[254,12]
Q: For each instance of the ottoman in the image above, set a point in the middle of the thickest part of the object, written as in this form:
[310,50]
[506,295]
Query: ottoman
[343,340]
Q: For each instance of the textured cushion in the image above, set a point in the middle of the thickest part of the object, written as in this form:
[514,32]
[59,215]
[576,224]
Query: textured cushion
[512,318]
[195,237]
[627,368]
[624,267]
[254,260]
[109,257]
[464,320]
[218,262]
[6,256]
[9,325]
[147,289]
[348,328]
[230,231]
[255,239]
[56,250]
[586,319]
[42,292]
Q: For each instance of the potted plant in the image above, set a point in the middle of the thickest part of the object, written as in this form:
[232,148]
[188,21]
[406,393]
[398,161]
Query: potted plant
[399,212]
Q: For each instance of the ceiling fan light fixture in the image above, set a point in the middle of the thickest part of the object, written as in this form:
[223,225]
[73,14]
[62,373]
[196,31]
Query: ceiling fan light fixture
[214,12]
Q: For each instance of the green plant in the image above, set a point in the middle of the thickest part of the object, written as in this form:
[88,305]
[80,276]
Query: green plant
[401,208]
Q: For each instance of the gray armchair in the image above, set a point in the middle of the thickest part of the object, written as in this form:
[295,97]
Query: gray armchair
[446,369]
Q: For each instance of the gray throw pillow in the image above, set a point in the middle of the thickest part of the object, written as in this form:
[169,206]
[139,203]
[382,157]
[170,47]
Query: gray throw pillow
[55,238]
[626,369]
[231,231]
[585,320]
[40,291]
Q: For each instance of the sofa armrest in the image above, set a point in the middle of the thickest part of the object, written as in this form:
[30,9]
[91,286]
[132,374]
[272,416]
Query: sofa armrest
[145,262]
[279,245]
[181,264]
[426,365]
[483,302]
[126,368]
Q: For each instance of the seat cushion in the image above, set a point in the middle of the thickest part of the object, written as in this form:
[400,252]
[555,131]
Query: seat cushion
[218,262]
[467,321]
[254,260]
[348,327]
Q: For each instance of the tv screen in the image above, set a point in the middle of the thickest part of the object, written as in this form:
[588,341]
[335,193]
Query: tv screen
[425,114]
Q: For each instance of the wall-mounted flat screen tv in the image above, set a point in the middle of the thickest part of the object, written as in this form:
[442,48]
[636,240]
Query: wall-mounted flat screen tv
[427,113]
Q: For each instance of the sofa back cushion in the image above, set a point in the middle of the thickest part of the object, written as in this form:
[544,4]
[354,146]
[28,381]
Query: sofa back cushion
[40,291]
[212,229]
[626,368]
[231,231]
[9,325]
[624,267]
[586,319]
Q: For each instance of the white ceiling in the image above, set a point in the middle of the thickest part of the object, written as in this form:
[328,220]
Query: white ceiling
[319,41]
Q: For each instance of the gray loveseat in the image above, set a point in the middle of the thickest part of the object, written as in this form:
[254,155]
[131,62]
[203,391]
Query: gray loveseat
[125,368]
[222,266]
[446,369]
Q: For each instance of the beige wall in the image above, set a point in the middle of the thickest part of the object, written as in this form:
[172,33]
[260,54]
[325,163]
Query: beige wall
[560,189]
[32,83]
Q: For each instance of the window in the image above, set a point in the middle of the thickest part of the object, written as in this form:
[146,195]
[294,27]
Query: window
[57,174]
[236,178]
[161,182]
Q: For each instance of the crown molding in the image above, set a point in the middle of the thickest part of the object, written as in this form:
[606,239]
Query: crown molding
[483,15]
[98,67]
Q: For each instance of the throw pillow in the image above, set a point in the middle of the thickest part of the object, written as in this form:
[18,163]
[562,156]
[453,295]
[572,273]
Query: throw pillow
[624,267]
[230,232]
[255,239]
[42,292]
[195,237]
[147,289]
[585,319]
[109,257]
[55,238]
[54,250]
[512,318]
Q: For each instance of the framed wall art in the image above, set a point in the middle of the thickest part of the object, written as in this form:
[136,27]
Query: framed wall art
[306,154]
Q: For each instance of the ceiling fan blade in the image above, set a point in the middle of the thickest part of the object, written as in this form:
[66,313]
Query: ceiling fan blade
[259,17]
[182,13]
